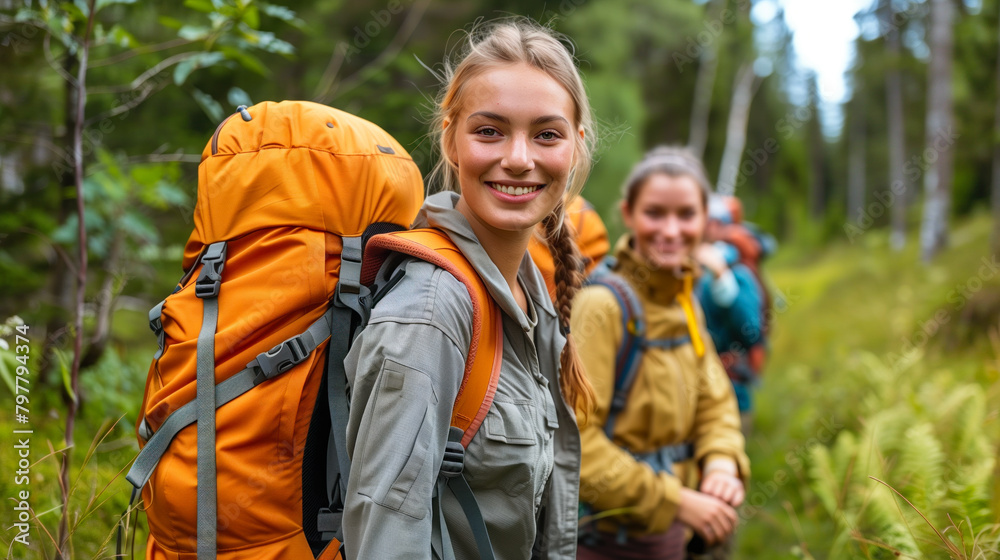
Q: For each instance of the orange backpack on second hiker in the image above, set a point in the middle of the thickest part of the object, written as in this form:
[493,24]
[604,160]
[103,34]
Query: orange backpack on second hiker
[589,233]
[238,458]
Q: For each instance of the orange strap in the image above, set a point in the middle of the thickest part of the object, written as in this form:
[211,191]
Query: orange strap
[686,302]
[482,366]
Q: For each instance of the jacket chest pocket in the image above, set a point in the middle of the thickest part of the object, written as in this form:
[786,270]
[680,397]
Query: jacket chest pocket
[504,454]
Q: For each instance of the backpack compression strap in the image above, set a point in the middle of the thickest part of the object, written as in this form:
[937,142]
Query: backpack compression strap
[482,366]
[207,288]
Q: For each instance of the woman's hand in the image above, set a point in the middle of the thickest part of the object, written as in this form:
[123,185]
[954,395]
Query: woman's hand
[709,516]
[724,486]
[711,258]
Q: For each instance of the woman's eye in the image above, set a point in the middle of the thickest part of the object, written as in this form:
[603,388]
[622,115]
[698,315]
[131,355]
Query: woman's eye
[487,131]
[548,135]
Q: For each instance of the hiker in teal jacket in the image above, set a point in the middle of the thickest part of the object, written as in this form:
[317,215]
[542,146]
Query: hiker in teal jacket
[732,301]
[733,297]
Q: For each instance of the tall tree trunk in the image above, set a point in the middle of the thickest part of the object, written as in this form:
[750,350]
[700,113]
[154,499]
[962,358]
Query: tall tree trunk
[898,184]
[736,129]
[940,121]
[995,195]
[818,191]
[856,168]
[708,63]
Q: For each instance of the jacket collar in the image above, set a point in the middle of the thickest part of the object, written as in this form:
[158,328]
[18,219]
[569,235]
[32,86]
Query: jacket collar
[439,212]
[657,285]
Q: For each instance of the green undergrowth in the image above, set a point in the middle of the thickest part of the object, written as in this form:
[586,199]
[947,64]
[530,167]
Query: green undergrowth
[876,425]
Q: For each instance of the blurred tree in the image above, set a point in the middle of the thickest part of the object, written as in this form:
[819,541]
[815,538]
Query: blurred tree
[744,88]
[995,187]
[896,131]
[708,64]
[856,161]
[819,177]
[940,121]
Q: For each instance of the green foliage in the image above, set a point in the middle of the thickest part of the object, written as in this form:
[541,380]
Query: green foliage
[875,398]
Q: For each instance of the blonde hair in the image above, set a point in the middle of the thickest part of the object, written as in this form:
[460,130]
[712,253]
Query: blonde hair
[511,41]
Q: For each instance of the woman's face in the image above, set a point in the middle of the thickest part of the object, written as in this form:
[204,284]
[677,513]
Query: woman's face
[513,144]
[668,219]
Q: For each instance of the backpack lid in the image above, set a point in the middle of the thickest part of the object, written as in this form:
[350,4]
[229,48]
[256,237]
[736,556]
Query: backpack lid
[300,164]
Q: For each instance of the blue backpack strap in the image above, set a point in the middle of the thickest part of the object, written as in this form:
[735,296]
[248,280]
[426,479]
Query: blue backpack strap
[633,336]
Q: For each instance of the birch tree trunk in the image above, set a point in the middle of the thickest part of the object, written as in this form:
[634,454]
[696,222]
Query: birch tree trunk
[940,122]
[736,130]
[708,63]
[898,184]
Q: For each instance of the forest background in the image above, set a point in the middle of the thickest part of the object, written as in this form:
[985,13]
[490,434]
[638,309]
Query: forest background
[877,419]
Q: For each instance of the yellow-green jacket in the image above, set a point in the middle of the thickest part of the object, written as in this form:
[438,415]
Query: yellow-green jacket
[677,396]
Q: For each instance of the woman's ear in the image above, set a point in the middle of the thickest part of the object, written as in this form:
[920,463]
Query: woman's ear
[626,214]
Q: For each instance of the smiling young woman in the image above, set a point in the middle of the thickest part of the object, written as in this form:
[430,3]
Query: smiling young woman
[515,133]
[668,456]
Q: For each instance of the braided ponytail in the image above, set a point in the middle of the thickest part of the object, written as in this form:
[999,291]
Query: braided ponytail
[573,381]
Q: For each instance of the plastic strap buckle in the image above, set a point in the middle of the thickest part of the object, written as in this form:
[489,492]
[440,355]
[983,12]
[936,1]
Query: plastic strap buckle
[279,359]
[210,278]
[454,459]
[329,523]
[350,266]
[156,324]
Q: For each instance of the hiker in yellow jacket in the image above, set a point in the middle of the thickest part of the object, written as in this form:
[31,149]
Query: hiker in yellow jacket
[672,458]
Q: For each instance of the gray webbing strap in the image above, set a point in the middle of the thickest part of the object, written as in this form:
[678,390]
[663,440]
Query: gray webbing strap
[156,325]
[226,391]
[347,302]
[663,459]
[441,547]
[451,470]
[207,288]
[668,343]
[337,463]
[336,390]
[463,492]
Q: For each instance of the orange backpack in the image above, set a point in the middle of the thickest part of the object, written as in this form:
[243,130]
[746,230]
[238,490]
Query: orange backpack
[589,233]
[254,336]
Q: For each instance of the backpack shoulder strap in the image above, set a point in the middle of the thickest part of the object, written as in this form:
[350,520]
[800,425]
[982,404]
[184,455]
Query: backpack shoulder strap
[482,366]
[633,336]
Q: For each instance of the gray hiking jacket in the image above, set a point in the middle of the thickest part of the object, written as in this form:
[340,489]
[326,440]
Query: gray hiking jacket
[405,369]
